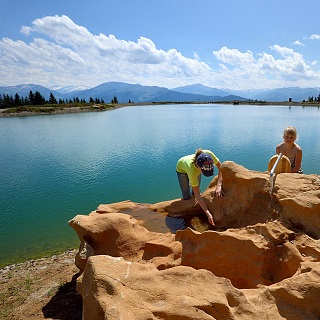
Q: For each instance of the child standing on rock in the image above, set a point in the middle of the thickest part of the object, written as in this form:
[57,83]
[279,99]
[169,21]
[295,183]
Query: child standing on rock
[290,149]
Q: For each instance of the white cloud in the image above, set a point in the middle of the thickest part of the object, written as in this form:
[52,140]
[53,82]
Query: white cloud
[196,56]
[298,43]
[59,52]
[68,53]
[283,51]
[315,37]
[267,69]
[234,56]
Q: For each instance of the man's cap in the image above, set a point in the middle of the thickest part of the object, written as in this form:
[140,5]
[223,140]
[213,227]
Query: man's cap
[205,163]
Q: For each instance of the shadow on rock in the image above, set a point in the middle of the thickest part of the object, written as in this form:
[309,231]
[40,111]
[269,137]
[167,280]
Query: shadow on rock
[66,304]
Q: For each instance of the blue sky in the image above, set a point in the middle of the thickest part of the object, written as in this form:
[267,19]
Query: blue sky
[233,44]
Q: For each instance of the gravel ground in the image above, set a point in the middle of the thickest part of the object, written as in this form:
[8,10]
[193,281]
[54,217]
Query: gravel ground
[41,289]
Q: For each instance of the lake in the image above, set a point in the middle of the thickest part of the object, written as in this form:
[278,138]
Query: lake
[54,167]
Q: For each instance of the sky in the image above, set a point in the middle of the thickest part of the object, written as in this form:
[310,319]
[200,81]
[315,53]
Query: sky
[226,44]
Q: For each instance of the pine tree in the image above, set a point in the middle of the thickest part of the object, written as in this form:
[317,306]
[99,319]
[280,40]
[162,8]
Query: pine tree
[17,100]
[39,100]
[31,97]
[52,99]
[114,100]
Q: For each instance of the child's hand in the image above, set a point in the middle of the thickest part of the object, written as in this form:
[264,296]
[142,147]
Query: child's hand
[219,193]
[210,218]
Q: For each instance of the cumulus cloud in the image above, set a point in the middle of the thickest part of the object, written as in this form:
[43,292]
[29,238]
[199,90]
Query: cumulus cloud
[298,43]
[196,56]
[288,68]
[315,37]
[234,56]
[56,51]
[69,53]
[292,66]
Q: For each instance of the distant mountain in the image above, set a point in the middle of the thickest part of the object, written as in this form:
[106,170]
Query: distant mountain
[123,91]
[68,89]
[23,91]
[138,93]
[279,94]
[283,94]
[203,90]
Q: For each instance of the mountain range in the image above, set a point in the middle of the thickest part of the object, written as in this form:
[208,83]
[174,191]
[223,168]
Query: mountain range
[126,92]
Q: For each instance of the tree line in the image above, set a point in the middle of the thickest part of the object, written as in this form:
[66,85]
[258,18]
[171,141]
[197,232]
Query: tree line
[313,99]
[36,99]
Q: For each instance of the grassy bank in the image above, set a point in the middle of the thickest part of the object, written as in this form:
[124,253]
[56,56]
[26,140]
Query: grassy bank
[55,109]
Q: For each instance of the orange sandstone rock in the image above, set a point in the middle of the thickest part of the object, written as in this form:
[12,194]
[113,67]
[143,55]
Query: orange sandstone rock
[138,261]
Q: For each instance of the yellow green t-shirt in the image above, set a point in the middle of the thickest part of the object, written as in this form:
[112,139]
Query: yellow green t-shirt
[186,165]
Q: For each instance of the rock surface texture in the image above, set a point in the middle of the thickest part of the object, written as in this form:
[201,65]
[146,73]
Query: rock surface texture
[262,261]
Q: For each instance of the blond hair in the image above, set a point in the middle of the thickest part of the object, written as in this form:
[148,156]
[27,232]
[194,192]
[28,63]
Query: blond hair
[197,154]
[290,131]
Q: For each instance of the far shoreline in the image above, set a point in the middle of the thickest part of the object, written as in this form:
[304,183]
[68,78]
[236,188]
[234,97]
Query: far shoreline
[45,110]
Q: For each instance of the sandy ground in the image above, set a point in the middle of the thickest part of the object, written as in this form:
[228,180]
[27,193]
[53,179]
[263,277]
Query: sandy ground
[41,289]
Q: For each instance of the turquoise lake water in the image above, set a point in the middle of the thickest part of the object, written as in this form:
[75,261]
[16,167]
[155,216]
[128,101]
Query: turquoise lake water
[53,167]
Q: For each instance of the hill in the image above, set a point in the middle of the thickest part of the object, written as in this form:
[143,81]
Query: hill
[123,91]
[139,93]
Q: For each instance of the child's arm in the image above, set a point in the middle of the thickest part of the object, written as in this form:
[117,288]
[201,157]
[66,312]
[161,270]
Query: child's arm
[219,192]
[202,204]
[298,161]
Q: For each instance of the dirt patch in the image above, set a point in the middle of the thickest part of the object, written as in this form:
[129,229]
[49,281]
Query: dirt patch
[41,289]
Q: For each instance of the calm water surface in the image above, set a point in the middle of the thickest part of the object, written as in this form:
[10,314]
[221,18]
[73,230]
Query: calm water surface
[53,167]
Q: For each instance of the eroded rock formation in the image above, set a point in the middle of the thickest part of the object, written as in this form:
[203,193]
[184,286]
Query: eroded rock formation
[263,261]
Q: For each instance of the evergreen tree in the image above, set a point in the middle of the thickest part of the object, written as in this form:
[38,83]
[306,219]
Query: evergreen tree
[39,100]
[11,101]
[52,99]
[6,101]
[17,100]
[114,100]
[26,101]
[31,97]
